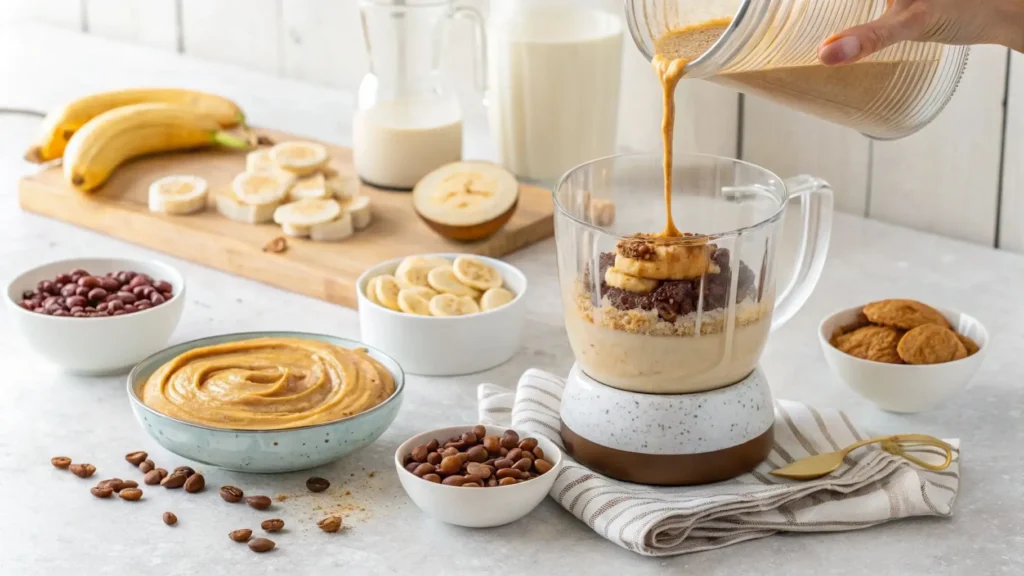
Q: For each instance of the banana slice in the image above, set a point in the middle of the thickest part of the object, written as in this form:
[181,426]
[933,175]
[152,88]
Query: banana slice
[412,302]
[308,213]
[443,280]
[495,298]
[430,262]
[371,290]
[423,291]
[387,290]
[334,231]
[475,273]
[260,189]
[300,158]
[359,207]
[452,305]
[629,283]
[660,259]
[343,185]
[466,200]
[296,231]
[410,276]
[259,161]
[178,195]
[309,187]
[234,209]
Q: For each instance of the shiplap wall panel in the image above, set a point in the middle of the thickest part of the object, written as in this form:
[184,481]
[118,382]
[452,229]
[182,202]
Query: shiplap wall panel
[323,42]
[788,143]
[945,178]
[243,32]
[147,22]
[1011,216]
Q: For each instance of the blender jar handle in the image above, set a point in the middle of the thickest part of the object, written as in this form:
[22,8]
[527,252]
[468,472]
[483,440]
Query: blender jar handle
[480,39]
[816,222]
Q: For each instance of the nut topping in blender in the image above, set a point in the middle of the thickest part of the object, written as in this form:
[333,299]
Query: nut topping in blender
[665,257]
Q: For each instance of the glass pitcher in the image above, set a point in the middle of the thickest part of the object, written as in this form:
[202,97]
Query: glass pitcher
[408,120]
[769,48]
[706,328]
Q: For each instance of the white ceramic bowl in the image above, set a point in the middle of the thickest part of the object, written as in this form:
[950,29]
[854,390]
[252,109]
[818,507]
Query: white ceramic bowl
[431,346]
[94,346]
[482,507]
[904,388]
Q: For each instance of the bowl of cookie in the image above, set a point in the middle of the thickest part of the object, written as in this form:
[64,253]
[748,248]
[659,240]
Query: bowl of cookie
[904,355]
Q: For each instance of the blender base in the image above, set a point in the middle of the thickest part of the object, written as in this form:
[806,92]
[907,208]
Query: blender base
[671,439]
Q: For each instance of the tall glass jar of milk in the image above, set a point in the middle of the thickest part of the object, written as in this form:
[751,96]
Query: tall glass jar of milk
[408,120]
[554,70]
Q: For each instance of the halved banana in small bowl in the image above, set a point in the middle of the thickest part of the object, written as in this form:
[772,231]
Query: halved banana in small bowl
[443,314]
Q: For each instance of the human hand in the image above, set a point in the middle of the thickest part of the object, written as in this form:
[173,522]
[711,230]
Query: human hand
[958,22]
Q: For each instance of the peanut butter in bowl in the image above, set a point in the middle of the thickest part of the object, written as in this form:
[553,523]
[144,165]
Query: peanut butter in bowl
[272,383]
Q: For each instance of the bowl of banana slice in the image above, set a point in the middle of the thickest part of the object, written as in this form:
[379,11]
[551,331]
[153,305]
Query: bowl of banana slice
[443,314]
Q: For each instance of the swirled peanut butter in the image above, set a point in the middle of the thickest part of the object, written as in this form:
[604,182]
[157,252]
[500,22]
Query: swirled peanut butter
[268,384]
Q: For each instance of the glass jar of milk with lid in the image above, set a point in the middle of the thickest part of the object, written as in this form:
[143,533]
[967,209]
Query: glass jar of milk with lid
[554,72]
[408,120]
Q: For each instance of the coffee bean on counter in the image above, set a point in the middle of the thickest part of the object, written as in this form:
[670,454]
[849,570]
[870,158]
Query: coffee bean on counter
[317,484]
[261,545]
[131,494]
[272,525]
[175,480]
[331,523]
[115,484]
[258,502]
[82,470]
[170,519]
[101,491]
[146,466]
[153,477]
[195,483]
[186,470]
[240,535]
[60,461]
[136,458]
[231,494]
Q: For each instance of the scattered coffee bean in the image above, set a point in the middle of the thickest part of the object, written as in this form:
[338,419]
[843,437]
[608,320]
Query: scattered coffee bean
[317,484]
[231,494]
[152,477]
[331,523]
[476,460]
[101,491]
[136,458]
[272,525]
[261,545]
[186,470]
[175,480]
[240,535]
[128,484]
[258,502]
[82,470]
[170,519]
[131,494]
[115,484]
[146,466]
[60,461]
[195,483]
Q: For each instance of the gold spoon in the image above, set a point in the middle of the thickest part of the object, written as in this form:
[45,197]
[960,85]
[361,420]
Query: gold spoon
[814,467]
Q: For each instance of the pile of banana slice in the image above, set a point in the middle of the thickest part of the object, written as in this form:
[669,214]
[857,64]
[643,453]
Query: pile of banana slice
[436,286]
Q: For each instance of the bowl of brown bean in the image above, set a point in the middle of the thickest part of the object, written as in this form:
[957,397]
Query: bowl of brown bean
[97,315]
[439,470]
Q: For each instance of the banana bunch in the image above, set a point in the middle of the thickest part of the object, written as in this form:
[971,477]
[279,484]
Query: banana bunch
[97,133]
[435,286]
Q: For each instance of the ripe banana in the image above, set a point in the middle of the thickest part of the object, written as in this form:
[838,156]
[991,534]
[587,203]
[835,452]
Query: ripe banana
[629,283]
[113,137]
[476,274]
[60,124]
[658,258]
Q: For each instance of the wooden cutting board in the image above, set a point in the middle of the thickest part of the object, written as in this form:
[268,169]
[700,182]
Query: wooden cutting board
[322,270]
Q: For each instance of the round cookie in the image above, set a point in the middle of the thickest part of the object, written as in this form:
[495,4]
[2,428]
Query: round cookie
[876,343]
[930,344]
[970,345]
[904,314]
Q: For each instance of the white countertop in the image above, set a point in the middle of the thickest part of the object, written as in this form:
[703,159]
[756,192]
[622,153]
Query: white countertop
[49,524]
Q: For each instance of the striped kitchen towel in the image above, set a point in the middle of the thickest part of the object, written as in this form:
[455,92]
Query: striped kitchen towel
[871,487]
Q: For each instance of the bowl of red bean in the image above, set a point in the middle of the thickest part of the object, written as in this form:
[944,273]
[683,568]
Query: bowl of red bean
[477,476]
[97,315]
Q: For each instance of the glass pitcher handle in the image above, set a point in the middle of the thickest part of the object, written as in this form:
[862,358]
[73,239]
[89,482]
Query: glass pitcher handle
[480,38]
[816,222]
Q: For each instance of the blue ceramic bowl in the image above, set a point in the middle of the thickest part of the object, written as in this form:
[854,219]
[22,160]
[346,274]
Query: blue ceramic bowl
[264,451]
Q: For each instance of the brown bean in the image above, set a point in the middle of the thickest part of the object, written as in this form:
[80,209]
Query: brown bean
[66,290]
[163,286]
[507,481]
[455,480]
[456,444]
[97,295]
[463,457]
[450,465]
[58,312]
[174,480]
[510,439]
[472,485]
[479,431]
[82,291]
[331,523]
[419,453]
[480,470]
[163,473]
[258,502]
[146,466]
[432,478]
[490,462]
[142,305]
[492,444]
[469,438]
[186,470]
[131,494]
[129,484]
[412,465]
[523,464]
[195,483]
[27,305]
[170,519]
[508,473]
[83,470]
[140,280]
[109,284]
[102,307]
[115,305]
[115,484]
[128,309]
[526,454]
[47,287]
[141,291]
[449,452]
[125,276]
[433,445]
[101,491]
[434,458]
[240,535]
[272,525]
[127,297]
[515,454]
[542,466]
[317,484]
[231,494]
[423,469]
[477,454]
[261,545]
[503,451]
[60,461]
[152,478]
[538,453]
[474,478]
[89,282]
[528,444]
[156,299]
[76,301]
